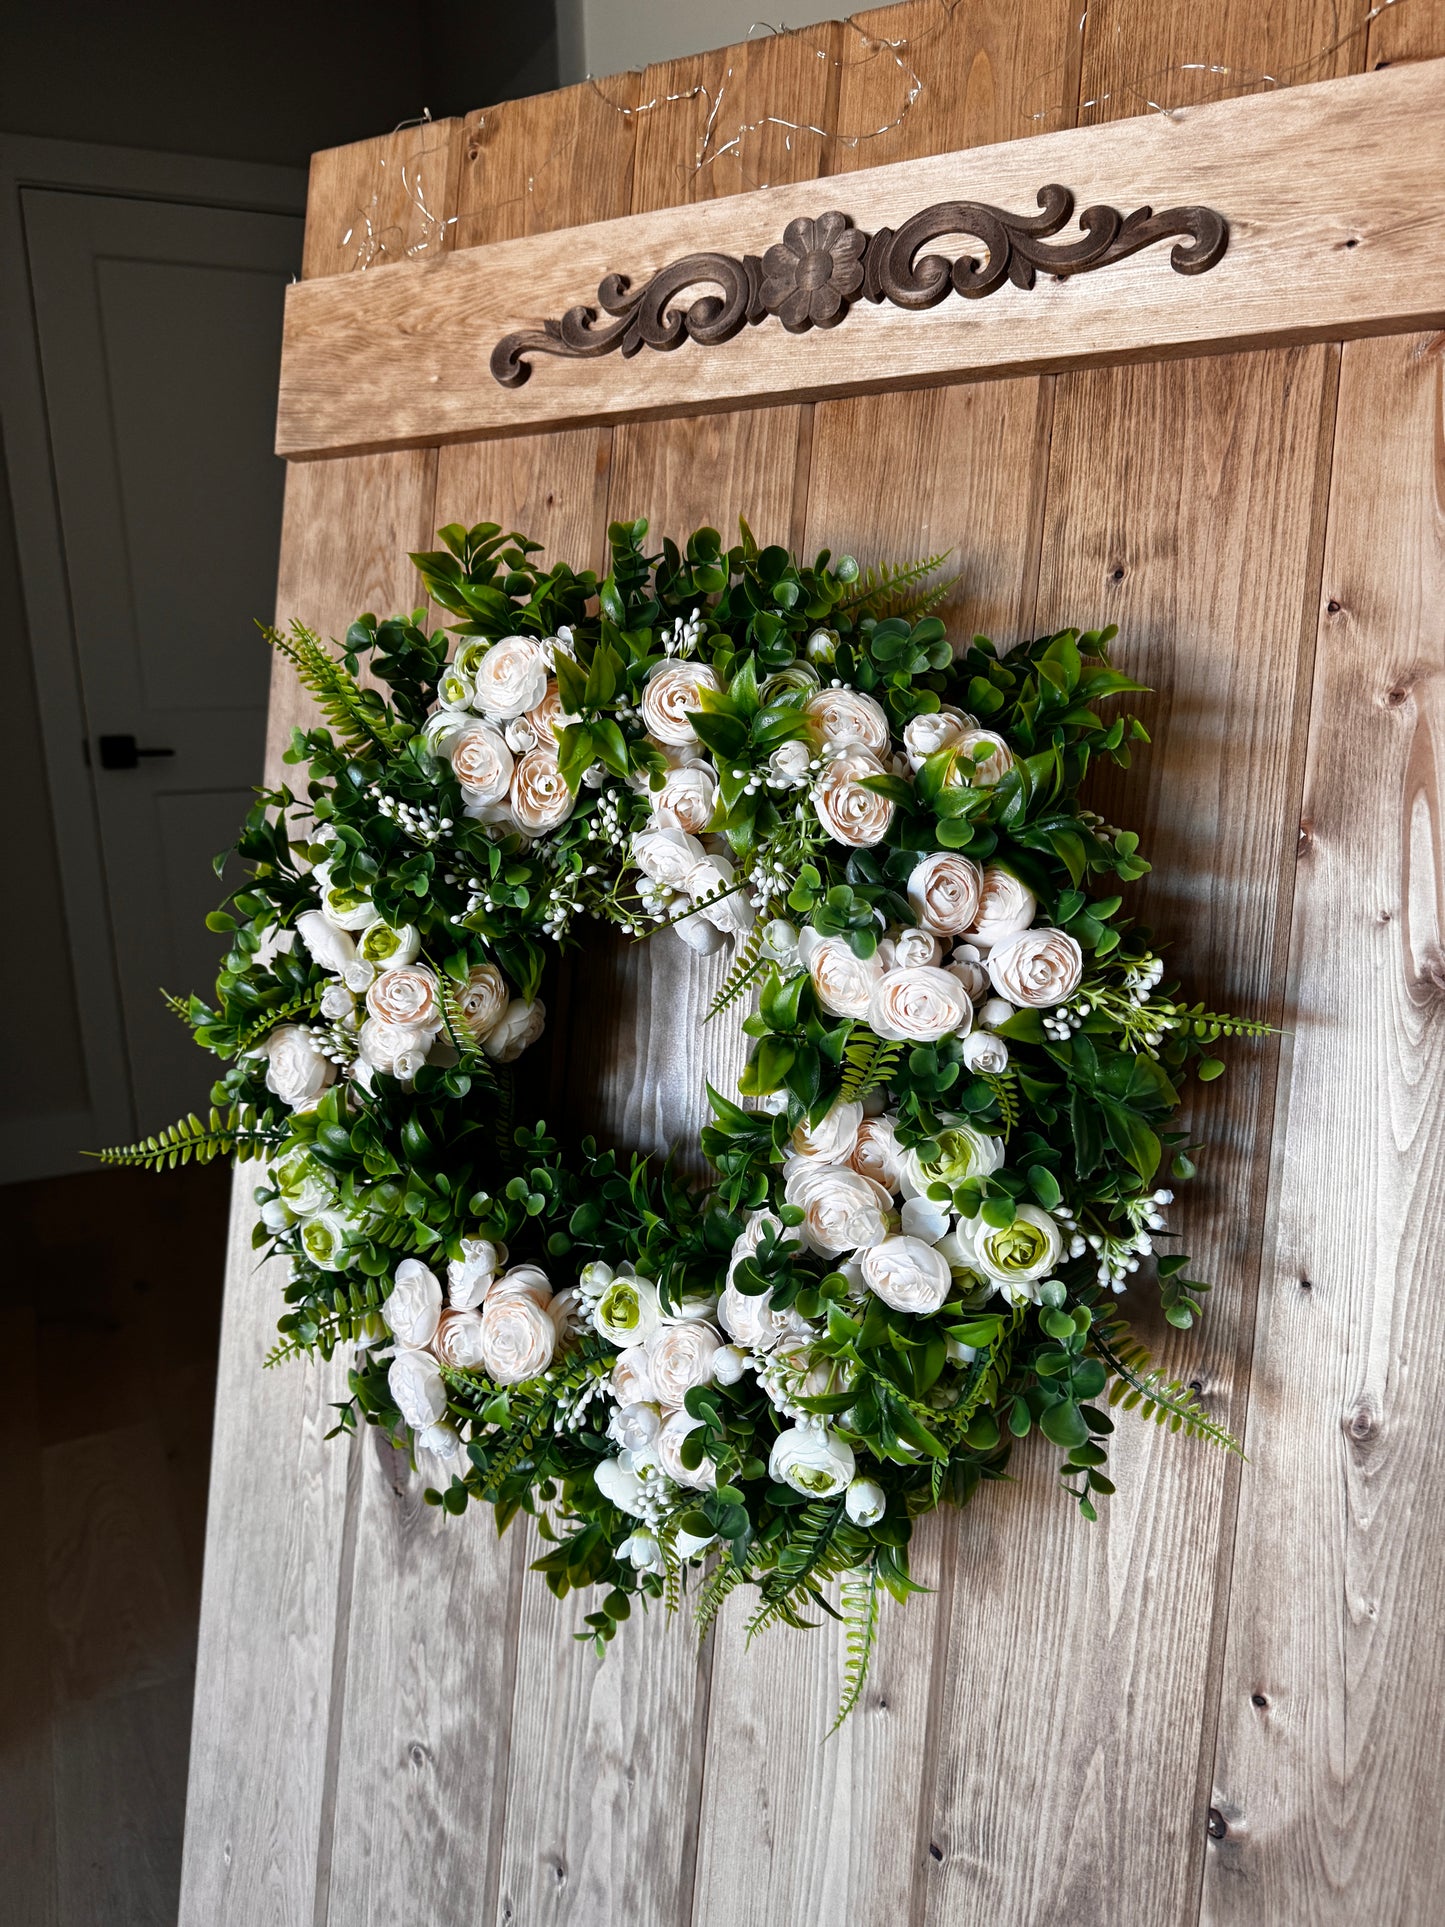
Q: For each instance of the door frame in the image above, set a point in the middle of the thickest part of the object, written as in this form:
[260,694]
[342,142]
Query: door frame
[36,1147]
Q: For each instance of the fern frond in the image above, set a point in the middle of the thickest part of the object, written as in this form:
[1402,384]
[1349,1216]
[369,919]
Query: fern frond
[177,1006]
[359,716]
[189,1141]
[803,1564]
[1004,1085]
[1211,1024]
[304,1004]
[868,1064]
[895,589]
[517,1446]
[859,1594]
[352,1314]
[474,1059]
[1139,1387]
[723,1578]
[748,964]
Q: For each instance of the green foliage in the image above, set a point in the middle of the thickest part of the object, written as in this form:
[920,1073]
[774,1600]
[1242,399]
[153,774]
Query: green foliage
[234,1132]
[859,1590]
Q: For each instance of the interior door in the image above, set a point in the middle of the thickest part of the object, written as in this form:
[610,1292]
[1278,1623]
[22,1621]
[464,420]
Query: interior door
[159,328]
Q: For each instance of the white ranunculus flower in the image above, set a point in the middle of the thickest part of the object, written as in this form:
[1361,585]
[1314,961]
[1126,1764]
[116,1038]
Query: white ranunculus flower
[667,856]
[343,907]
[484,999]
[812,1460]
[922,1218]
[458,1340]
[628,1312]
[510,679]
[518,1338]
[323,1238]
[442,728]
[303,1183]
[849,813]
[407,998]
[358,977]
[1006,908]
[620,1485]
[834,1135]
[751,1322]
[413,1307]
[877,1153]
[729,1363]
[539,797]
[732,914]
[418,1388]
[470,1276]
[838,716]
[699,935]
[276,1215]
[520,735]
[996,1011]
[963,1152]
[967,966]
[913,946]
[907,1273]
[549,718]
[985,774]
[790,760]
[944,889]
[397,1049]
[688,1546]
[865,1503]
[635,1426]
[982,1051]
[632,1380]
[333,949]
[919,1006]
[1019,1258]
[1037,969]
[454,688]
[482,761]
[670,693]
[751,1236]
[669,1453]
[844,981]
[686,800]
[519,1025]
[297,1071]
[939,729]
[337,1003]
[780,943]
[842,1210]
[679,1357]
[525,1281]
[443,1440]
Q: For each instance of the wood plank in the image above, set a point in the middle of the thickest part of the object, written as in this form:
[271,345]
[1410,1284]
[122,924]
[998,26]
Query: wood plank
[1185,502]
[1329,1756]
[379,202]
[550,161]
[1346,246]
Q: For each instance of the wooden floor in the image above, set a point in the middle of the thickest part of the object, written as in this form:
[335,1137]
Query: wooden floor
[112,1298]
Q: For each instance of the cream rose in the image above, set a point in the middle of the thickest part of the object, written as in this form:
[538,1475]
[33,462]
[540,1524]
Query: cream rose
[524,1281]
[413,1307]
[407,998]
[842,1210]
[749,1320]
[913,946]
[686,800]
[484,999]
[418,1388]
[944,890]
[967,966]
[669,1453]
[539,797]
[631,1379]
[812,1460]
[983,775]
[482,763]
[549,718]
[877,1153]
[790,761]
[510,678]
[1018,1258]
[843,980]
[667,856]
[628,1312]
[907,1274]
[838,716]
[397,1049]
[679,1357]
[938,729]
[985,1054]
[849,813]
[1006,908]
[458,1340]
[297,1070]
[919,1006]
[519,1025]
[834,1135]
[1037,969]
[670,692]
[635,1425]
[518,1338]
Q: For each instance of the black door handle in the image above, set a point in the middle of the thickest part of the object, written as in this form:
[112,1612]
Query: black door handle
[121,752]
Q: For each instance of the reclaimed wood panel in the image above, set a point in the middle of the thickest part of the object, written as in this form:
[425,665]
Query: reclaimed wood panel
[1348,245]
[1330,1757]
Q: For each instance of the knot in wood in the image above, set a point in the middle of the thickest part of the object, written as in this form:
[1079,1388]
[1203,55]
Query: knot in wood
[1362,1423]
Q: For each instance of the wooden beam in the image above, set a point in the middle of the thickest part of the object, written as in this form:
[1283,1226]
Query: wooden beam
[1334,195]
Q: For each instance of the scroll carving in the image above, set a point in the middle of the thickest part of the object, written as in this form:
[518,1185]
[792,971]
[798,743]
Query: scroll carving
[812,277]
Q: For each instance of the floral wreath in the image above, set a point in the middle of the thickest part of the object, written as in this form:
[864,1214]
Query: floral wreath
[946,1160]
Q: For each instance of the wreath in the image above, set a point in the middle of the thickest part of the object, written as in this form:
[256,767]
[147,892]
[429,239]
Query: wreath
[943,1161]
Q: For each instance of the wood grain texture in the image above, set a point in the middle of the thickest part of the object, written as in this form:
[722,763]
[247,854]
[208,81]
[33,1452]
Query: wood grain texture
[1184,503]
[1330,1756]
[550,161]
[1346,246]
[379,202]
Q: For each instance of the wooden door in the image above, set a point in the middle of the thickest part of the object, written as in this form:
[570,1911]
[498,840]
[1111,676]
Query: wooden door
[1215,1704]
